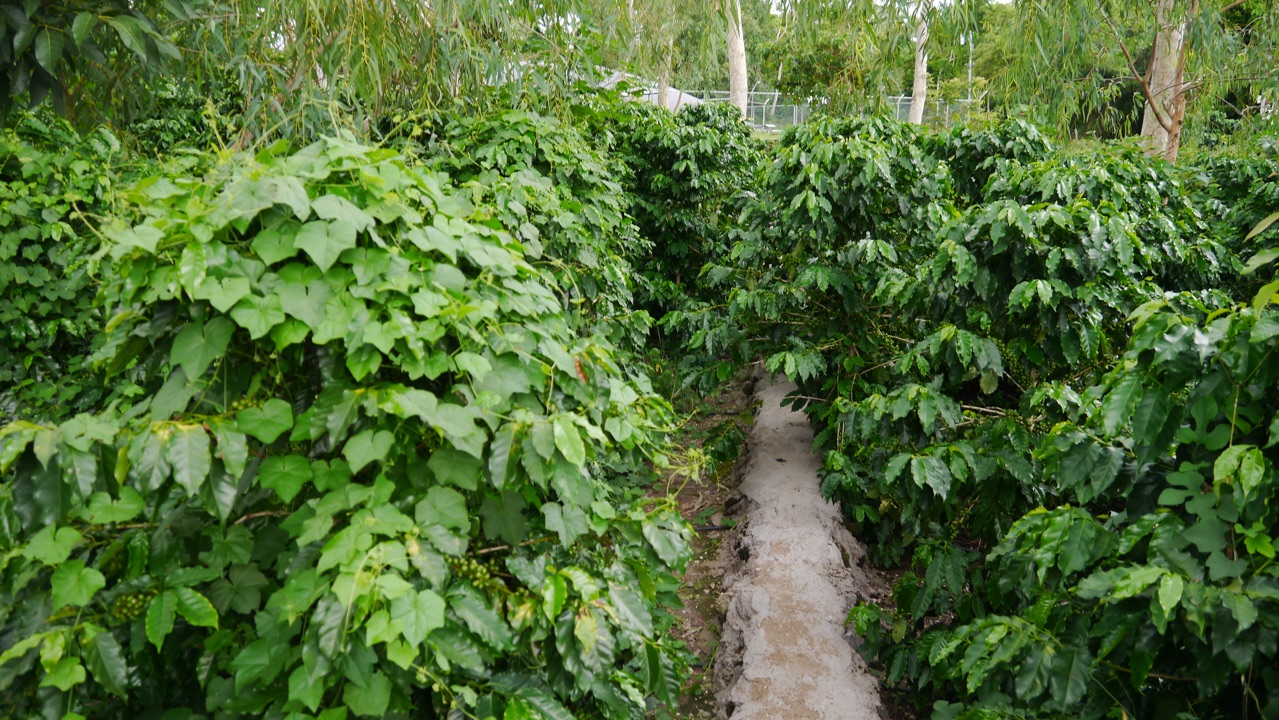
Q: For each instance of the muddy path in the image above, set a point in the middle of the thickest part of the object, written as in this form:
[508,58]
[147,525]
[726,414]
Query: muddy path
[792,571]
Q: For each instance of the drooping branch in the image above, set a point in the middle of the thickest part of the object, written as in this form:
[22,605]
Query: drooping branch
[1164,121]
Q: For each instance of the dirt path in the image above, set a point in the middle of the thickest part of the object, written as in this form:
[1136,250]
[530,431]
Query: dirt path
[795,572]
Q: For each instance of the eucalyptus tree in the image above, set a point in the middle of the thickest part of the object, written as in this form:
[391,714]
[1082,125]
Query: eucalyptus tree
[830,52]
[83,56]
[638,36]
[738,80]
[919,88]
[308,64]
[701,48]
[849,53]
[299,66]
[1075,57]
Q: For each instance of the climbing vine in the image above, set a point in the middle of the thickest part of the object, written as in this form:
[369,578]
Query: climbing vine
[350,465]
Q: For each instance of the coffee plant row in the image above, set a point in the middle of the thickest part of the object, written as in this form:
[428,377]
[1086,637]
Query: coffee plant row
[1044,384]
[331,432]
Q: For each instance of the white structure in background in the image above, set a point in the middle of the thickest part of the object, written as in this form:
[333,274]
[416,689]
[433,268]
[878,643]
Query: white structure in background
[675,99]
[642,90]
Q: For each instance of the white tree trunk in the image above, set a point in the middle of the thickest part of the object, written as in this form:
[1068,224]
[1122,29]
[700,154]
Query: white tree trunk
[1161,122]
[664,81]
[737,80]
[919,90]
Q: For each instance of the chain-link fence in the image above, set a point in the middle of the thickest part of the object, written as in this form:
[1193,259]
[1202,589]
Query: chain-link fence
[766,112]
[936,112]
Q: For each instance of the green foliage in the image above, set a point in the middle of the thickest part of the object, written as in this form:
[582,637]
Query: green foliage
[974,155]
[351,468]
[831,180]
[52,184]
[1241,191]
[182,117]
[1169,581]
[52,51]
[686,175]
[559,195]
[944,304]
[823,63]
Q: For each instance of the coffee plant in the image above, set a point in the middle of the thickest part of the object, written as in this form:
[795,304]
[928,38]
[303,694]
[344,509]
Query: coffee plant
[1163,575]
[686,176]
[1001,346]
[348,465]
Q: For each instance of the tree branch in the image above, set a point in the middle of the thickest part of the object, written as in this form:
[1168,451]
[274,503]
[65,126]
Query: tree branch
[526,543]
[1141,79]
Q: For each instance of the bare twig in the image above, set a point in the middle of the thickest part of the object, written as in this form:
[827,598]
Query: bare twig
[526,543]
[262,514]
[996,412]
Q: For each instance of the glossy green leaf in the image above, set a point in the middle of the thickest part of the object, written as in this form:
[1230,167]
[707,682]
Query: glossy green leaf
[65,675]
[49,50]
[303,690]
[455,468]
[1070,675]
[107,662]
[554,594]
[500,449]
[223,294]
[81,27]
[669,545]
[195,607]
[131,34]
[933,472]
[258,314]
[483,620]
[443,506]
[1170,588]
[52,546]
[1032,676]
[569,441]
[632,612]
[370,701]
[418,613]
[366,447]
[1261,227]
[1117,407]
[161,614]
[102,510]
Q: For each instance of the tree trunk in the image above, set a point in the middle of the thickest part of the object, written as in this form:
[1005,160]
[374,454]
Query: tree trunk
[919,91]
[664,80]
[737,81]
[1165,108]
